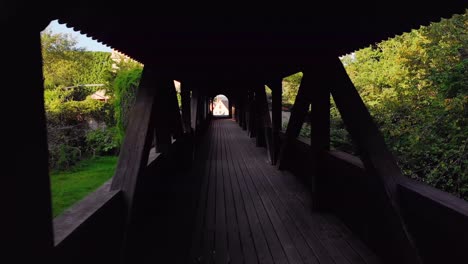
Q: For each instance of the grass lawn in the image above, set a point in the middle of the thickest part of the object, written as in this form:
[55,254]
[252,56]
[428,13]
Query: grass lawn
[68,187]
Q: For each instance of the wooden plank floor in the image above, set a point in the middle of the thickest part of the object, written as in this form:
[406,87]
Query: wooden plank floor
[249,212]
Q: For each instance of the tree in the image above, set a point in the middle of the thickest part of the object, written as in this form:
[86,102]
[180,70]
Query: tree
[290,88]
[416,87]
[65,64]
[67,72]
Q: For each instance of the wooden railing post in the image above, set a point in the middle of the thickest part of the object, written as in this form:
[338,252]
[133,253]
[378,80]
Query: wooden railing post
[259,105]
[298,115]
[265,120]
[245,112]
[194,109]
[185,96]
[165,112]
[276,115]
[320,131]
[378,161]
[177,129]
[134,152]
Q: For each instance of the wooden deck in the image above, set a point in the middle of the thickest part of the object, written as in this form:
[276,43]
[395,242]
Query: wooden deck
[250,212]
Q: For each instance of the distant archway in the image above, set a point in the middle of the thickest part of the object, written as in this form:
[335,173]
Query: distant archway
[221,106]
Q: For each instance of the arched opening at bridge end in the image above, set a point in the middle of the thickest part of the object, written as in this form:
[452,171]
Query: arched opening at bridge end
[221,106]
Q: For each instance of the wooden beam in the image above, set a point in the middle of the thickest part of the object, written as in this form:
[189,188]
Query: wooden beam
[194,108]
[177,129]
[235,111]
[241,111]
[276,115]
[265,120]
[245,112]
[200,111]
[258,105]
[26,221]
[164,113]
[185,96]
[135,149]
[251,125]
[205,107]
[320,130]
[378,161]
[298,115]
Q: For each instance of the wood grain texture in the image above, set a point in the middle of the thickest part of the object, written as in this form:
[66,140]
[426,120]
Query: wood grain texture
[298,115]
[378,161]
[276,116]
[250,212]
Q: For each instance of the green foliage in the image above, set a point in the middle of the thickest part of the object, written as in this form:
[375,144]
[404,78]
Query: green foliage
[339,136]
[290,88]
[97,69]
[61,108]
[179,100]
[125,87]
[416,87]
[64,156]
[102,141]
[65,65]
[68,187]
[68,71]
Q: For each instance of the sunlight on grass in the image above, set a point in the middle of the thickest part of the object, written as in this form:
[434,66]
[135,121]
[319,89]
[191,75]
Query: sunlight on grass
[68,187]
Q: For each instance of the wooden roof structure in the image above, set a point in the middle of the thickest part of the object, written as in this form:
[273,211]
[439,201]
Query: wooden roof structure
[233,41]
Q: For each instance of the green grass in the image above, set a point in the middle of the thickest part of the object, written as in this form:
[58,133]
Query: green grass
[68,187]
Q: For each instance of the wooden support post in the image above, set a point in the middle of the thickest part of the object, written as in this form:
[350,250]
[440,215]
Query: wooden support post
[298,115]
[205,108]
[26,221]
[235,111]
[201,100]
[200,106]
[378,161]
[185,96]
[264,113]
[177,129]
[320,131]
[163,121]
[239,110]
[251,126]
[276,105]
[245,112]
[259,106]
[194,109]
[135,149]
[240,106]
[240,114]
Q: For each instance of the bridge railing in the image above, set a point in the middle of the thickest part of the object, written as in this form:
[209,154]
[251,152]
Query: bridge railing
[438,221]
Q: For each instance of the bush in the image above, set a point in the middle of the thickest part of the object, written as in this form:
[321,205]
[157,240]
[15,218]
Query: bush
[64,156]
[102,141]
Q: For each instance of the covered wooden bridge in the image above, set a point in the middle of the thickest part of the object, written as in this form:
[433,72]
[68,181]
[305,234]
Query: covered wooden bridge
[234,190]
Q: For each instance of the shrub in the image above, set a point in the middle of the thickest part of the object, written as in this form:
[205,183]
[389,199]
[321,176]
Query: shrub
[64,156]
[102,141]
